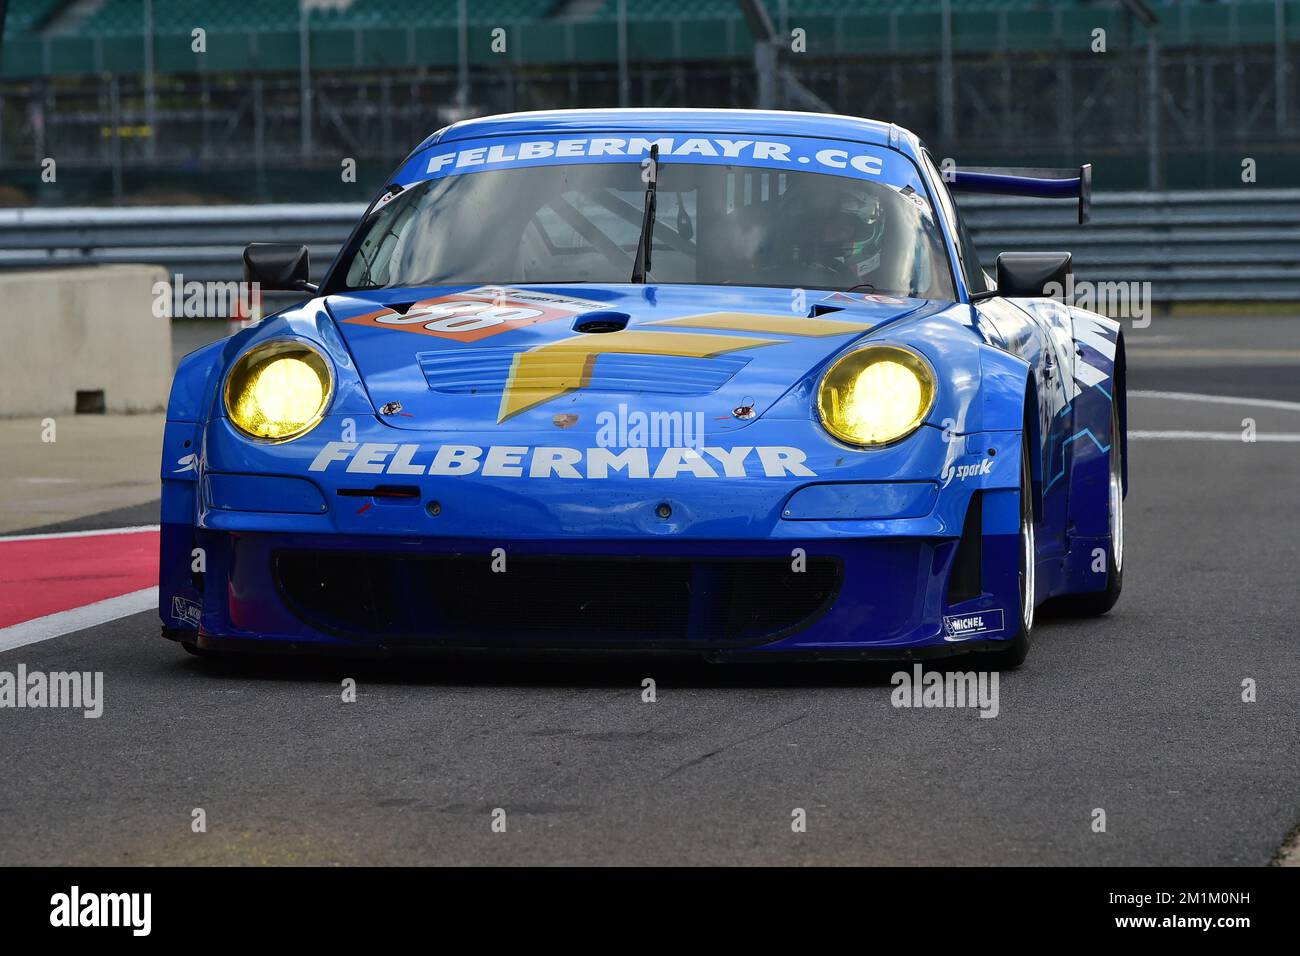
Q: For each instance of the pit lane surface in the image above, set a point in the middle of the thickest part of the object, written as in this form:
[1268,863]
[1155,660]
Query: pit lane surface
[1138,713]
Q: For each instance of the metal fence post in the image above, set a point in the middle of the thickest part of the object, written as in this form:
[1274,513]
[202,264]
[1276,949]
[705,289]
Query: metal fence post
[462,55]
[259,137]
[623,80]
[1153,109]
[150,99]
[947,120]
[1279,65]
[115,138]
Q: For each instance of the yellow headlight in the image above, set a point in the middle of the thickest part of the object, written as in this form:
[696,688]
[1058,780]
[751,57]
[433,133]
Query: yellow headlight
[278,391]
[876,395]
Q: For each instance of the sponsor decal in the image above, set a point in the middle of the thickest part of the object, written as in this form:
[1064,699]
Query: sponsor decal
[814,155]
[962,472]
[527,461]
[884,299]
[959,627]
[188,462]
[868,266]
[185,611]
[919,202]
[478,313]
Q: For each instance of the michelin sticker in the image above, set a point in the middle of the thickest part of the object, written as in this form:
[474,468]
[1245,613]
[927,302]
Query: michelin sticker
[186,611]
[959,627]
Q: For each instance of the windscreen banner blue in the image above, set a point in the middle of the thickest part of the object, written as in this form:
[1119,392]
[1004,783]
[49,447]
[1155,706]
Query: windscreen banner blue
[790,153]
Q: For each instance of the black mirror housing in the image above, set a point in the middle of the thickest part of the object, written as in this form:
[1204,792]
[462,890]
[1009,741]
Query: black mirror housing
[1025,275]
[278,266]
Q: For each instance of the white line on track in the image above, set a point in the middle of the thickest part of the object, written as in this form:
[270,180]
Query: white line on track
[1212,436]
[79,534]
[1216,399]
[78,619]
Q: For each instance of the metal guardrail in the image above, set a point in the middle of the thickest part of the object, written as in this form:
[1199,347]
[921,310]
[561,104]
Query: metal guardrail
[1228,245]
[1231,245]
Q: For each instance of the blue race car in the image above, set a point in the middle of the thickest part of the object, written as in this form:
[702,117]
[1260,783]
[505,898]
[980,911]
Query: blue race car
[729,382]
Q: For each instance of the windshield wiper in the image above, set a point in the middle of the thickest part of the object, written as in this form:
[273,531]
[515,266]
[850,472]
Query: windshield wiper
[642,264]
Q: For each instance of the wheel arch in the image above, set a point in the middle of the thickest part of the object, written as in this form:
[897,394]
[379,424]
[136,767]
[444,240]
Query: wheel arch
[1010,402]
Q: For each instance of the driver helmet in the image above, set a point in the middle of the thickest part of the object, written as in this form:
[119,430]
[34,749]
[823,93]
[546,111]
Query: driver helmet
[847,226]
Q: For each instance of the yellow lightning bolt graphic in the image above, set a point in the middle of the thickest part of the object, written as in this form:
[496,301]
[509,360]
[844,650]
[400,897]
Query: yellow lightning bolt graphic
[555,369]
[797,325]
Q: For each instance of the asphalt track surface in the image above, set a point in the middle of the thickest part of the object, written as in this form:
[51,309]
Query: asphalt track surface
[1138,713]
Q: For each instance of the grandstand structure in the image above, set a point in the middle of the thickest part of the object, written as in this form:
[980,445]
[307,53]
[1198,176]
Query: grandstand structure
[263,99]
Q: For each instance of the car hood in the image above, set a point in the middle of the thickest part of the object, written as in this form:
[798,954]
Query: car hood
[534,357]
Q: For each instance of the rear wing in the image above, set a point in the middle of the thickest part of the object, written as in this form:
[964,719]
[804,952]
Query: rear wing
[1036,183]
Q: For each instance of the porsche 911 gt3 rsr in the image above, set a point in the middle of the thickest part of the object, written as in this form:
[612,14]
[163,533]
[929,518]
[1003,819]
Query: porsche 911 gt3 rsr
[728,382]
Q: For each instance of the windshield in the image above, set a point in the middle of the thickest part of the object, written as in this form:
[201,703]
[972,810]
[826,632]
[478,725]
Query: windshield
[716,225]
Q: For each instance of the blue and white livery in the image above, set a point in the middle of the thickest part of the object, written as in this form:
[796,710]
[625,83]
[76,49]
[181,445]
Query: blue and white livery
[735,383]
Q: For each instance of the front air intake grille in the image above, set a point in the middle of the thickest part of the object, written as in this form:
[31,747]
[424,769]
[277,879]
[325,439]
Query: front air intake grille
[559,601]
[485,370]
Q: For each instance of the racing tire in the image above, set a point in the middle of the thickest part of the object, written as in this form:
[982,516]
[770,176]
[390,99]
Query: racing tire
[1017,649]
[1096,603]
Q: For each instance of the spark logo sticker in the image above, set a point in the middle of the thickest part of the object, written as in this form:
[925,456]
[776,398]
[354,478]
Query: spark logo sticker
[477,313]
[962,472]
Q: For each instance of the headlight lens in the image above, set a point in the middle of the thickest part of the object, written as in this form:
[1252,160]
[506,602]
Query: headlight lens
[876,395]
[278,391]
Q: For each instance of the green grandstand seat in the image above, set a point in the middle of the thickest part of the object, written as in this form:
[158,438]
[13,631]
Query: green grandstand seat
[25,16]
[379,34]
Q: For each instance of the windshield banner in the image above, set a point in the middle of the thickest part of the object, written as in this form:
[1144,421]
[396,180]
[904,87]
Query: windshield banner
[797,153]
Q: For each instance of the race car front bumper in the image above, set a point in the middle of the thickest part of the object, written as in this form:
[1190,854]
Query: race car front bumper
[815,596]
[916,555]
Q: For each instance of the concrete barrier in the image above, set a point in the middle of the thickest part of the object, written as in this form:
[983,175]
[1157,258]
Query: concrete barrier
[82,330]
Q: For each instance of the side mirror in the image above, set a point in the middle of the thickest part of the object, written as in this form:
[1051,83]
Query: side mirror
[278,267]
[1025,275]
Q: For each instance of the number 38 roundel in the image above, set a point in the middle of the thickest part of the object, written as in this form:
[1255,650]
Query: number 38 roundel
[477,313]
